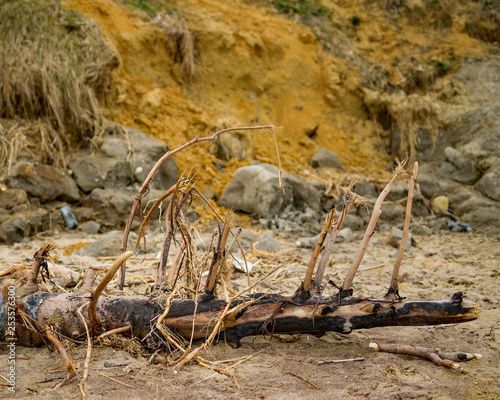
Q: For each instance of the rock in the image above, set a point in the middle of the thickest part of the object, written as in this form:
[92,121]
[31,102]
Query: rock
[255,190]
[486,218]
[13,229]
[238,145]
[87,174]
[325,158]
[43,181]
[366,189]
[38,220]
[489,185]
[63,276]
[459,168]
[247,238]
[115,148]
[10,198]
[395,236]
[392,213]
[352,221]
[90,227]
[115,204]
[268,243]
[345,235]
[439,204]
[109,245]
[146,151]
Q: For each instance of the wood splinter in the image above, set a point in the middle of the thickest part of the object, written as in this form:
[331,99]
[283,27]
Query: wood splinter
[449,360]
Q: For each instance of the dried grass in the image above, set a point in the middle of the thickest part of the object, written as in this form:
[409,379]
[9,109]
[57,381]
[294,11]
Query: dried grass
[406,115]
[55,70]
[179,40]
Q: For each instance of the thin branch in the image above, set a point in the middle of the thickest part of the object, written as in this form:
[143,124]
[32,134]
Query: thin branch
[87,357]
[145,185]
[102,285]
[393,292]
[312,264]
[377,211]
[70,369]
[449,360]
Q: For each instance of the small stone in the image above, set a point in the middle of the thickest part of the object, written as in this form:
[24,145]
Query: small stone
[268,243]
[325,158]
[395,236]
[90,227]
[115,148]
[440,204]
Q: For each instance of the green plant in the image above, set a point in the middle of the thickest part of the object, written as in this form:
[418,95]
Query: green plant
[355,20]
[442,65]
[150,7]
[301,7]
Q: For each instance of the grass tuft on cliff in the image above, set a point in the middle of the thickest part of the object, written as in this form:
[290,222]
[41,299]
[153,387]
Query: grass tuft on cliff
[55,70]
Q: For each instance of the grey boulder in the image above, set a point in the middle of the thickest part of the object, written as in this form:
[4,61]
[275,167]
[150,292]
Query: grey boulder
[255,190]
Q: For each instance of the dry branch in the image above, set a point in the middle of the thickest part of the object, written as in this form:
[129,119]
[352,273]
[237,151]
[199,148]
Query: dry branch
[449,360]
[189,319]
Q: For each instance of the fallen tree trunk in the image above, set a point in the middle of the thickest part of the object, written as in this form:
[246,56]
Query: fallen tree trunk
[259,314]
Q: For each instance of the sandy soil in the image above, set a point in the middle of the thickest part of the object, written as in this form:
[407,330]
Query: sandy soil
[438,267]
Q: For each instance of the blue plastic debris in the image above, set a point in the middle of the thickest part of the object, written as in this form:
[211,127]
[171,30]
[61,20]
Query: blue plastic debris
[69,217]
[457,226]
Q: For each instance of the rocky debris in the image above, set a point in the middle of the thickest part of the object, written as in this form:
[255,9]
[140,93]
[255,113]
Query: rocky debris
[13,229]
[43,181]
[344,235]
[440,204]
[255,190]
[114,148]
[459,167]
[325,158]
[489,185]
[396,235]
[90,227]
[109,245]
[247,238]
[236,145]
[125,157]
[115,204]
[146,151]
[10,198]
[62,276]
[366,189]
[87,174]
[268,243]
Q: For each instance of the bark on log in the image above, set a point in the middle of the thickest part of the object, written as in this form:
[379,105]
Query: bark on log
[259,314]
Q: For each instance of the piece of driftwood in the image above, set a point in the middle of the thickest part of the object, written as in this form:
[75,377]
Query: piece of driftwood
[164,321]
[265,314]
[449,360]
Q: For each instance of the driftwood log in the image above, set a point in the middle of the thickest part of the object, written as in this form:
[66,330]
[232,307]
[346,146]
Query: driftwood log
[165,319]
[264,314]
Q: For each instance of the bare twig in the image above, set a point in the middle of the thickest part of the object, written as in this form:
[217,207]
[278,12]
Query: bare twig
[348,203]
[87,357]
[115,380]
[393,292]
[70,369]
[377,211]
[324,232]
[341,361]
[102,285]
[449,360]
[313,386]
[115,331]
[145,185]
[40,258]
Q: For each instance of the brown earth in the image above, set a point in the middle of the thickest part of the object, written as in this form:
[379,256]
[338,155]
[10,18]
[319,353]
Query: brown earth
[440,266]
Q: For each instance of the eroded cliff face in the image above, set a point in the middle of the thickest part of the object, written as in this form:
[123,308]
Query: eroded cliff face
[254,66]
